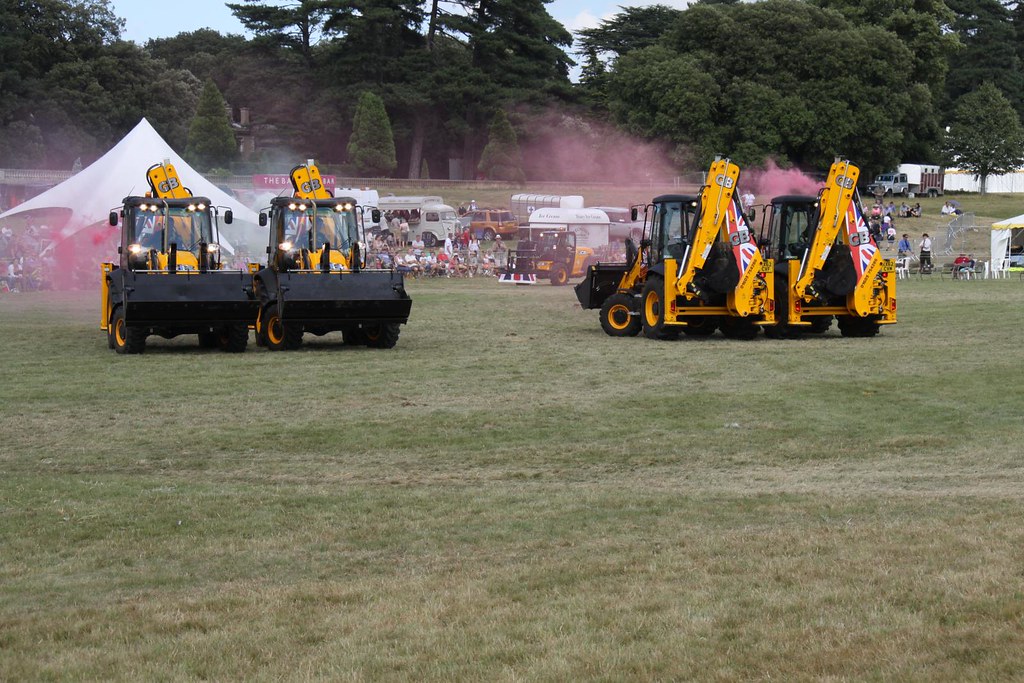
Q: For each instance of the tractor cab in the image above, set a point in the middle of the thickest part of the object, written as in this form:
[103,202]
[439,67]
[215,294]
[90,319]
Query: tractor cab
[176,235]
[788,227]
[312,234]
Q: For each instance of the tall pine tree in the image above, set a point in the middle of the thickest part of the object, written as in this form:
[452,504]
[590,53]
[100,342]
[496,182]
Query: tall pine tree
[371,149]
[211,142]
[501,159]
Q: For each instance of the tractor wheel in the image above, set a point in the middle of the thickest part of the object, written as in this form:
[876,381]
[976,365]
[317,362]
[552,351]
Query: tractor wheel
[383,336]
[652,310]
[738,328]
[234,338]
[353,337]
[209,340]
[278,335]
[127,339]
[618,317]
[702,326]
[559,275]
[853,326]
[820,324]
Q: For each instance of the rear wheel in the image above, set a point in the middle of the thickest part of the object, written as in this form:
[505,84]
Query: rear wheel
[127,339]
[280,336]
[559,275]
[701,326]
[618,317]
[234,338]
[820,324]
[488,235]
[429,240]
[382,336]
[738,328]
[853,326]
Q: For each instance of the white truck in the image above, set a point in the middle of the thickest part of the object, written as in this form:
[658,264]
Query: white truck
[430,219]
[909,180]
[522,205]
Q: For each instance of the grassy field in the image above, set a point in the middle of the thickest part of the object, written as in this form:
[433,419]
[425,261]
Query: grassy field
[509,494]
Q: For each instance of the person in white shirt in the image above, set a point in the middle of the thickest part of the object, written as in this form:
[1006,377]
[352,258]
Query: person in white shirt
[926,253]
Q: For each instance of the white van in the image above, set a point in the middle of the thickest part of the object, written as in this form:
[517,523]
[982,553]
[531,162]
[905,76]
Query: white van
[430,219]
[590,225]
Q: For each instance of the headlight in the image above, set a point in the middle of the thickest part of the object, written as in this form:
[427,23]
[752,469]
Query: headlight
[191,207]
[213,248]
[285,246]
[135,248]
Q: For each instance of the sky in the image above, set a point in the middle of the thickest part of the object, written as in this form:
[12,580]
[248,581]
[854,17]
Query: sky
[145,19]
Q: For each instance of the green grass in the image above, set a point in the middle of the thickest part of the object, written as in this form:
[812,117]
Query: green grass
[510,494]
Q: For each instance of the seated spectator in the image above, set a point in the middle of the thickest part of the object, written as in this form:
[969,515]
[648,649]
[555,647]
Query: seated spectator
[963,265]
[915,212]
[904,210]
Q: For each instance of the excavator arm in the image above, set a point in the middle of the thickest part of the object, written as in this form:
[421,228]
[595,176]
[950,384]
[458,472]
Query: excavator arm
[716,197]
[834,202]
[164,182]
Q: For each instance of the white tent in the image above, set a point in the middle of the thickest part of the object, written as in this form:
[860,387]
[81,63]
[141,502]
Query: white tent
[1002,238]
[91,193]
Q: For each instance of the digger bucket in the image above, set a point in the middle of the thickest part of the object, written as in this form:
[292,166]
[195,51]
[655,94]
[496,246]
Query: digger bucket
[334,300]
[185,300]
[602,280]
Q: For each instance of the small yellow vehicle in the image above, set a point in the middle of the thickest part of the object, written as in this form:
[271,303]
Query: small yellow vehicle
[553,255]
[169,279]
[828,266]
[697,269]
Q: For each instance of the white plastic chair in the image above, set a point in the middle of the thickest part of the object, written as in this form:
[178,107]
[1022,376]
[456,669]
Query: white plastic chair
[903,268]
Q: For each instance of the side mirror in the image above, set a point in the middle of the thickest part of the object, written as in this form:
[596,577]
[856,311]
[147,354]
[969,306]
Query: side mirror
[263,220]
[229,216]
[375,216]
[113,217]
[752,214]
[633,213]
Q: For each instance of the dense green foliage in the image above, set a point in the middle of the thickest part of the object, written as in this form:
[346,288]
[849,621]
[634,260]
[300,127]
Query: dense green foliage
[797,81]
[372,147]
[211,142]
[986,135]
[501,159]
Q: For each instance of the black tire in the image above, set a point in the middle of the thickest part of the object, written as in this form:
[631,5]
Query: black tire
[234,338]
[738,328]
[701,326]
[353,337]
[652,312]
[209,340]
[853,326]
[280,336]
[781,329]
[429,240]
[127,340]
[820,324]
[488,235]
[383,336]
[619,317]
[559,276]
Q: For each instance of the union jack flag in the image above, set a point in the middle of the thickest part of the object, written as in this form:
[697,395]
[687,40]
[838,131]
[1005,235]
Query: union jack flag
[743,246]
[862,247]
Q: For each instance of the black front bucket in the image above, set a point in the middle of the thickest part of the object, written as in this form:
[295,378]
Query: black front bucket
[601,282]
[331,299]
[188,299]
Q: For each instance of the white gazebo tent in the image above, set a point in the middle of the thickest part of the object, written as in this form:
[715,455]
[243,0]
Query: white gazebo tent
[91,193]
[1005,234]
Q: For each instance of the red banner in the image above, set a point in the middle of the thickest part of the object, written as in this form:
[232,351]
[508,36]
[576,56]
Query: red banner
[283,182]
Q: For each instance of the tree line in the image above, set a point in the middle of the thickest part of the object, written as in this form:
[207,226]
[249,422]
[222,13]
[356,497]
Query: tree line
[404,87]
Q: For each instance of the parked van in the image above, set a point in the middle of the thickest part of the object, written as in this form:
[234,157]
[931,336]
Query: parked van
[522,205]
[430,219]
